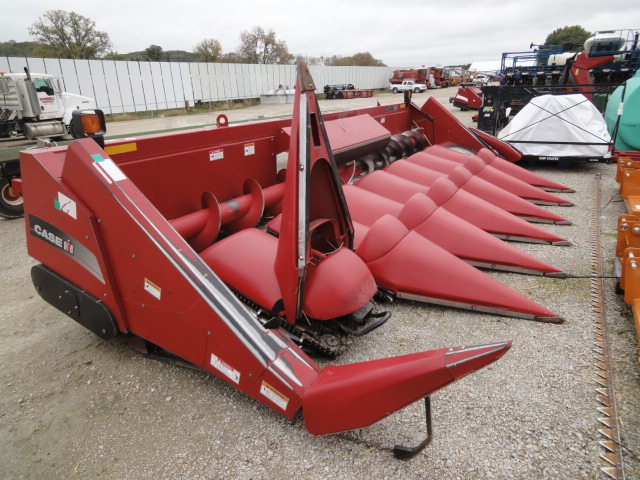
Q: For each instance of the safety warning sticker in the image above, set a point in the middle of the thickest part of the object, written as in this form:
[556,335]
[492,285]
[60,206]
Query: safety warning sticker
[217,154]
[274,395]
[225,368]
[152,288]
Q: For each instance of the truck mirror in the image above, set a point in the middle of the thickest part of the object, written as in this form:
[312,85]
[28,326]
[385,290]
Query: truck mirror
[88,124]
[407,97]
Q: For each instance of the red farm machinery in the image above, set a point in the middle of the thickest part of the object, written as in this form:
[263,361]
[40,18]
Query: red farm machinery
[433,77]
[346,91]
[607,60]
[243,270]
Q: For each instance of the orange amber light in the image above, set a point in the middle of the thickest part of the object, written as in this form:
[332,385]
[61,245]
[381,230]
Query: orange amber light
[90,123]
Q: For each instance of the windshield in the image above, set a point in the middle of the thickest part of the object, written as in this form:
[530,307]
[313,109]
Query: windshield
[43,85]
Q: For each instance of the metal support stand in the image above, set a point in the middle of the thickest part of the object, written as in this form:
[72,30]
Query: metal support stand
[405,453]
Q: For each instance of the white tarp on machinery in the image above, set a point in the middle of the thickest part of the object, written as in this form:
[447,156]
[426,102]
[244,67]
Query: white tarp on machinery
[558,126]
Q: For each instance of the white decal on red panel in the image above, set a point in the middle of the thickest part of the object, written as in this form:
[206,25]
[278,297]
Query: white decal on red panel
[225,368]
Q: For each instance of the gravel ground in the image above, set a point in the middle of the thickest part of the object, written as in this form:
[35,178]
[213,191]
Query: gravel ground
[74,406]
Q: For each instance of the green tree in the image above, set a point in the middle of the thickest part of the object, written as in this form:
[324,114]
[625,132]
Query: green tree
[259,46]
[310,60]
[114,56]
[154,53]
[208,50]
[570,37]
[230,57]
[69,35]
[363,59]
[12,48]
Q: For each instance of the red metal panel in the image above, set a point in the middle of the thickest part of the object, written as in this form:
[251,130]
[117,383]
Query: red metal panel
[353,396]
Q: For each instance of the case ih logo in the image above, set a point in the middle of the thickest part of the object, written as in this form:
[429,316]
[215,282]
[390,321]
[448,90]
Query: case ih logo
[50,234]
[73,248]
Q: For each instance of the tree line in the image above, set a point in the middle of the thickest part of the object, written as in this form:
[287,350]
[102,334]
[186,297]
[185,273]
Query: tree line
[62,34]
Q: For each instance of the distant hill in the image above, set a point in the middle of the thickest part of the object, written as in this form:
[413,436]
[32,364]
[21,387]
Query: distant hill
[168,56]
[17,49]
[34,49]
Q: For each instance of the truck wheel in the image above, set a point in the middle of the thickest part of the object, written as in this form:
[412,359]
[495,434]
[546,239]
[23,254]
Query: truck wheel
[416,90]
[395,90]
[11,206]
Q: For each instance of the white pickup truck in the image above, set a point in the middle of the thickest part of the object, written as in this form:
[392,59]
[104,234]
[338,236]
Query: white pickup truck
[480,80]
[408,85]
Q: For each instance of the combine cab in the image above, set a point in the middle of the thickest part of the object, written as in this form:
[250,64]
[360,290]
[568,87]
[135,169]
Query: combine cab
[243,270]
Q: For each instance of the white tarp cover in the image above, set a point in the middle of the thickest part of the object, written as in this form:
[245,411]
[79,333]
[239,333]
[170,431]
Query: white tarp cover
[555,119]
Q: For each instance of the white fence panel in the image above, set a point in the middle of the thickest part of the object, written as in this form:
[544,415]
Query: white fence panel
[16,65]
[177,97]
[137,87]
[113,86]
[261,80]
[167,82]
[125,87]
[156,86]
[186,82]
[221,78]
[36,65]
[149,99]
[52,67]
[196,81]
[133,86]
[84,78]
[69,76]
[100,89]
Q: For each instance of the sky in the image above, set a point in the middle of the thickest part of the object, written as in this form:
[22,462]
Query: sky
[410,33]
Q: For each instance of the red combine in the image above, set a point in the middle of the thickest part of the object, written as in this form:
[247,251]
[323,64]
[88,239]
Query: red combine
[419,75]
[241,269]
[433,77]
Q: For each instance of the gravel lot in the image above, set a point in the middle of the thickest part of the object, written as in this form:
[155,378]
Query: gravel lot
[74,406]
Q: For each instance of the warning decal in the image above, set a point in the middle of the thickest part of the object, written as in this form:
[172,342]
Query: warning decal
[274,395]
[217,154]
[225,368]
[152,288]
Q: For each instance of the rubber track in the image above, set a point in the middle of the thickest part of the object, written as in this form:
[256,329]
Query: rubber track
[611,457]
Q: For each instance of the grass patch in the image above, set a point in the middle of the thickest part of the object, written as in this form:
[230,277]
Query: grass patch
[562,287]
[191,110]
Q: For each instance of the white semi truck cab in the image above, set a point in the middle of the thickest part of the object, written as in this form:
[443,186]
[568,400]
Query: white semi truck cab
[33,105]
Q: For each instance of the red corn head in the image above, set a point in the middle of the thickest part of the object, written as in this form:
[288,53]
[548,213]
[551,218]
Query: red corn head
[457,236]
[463,178]
[512,181]
[462,204]
[352,396]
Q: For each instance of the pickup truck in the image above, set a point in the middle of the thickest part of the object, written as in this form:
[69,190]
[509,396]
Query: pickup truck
[408,85]
[480,80]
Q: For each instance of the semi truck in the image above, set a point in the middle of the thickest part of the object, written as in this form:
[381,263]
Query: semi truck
[33,107]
